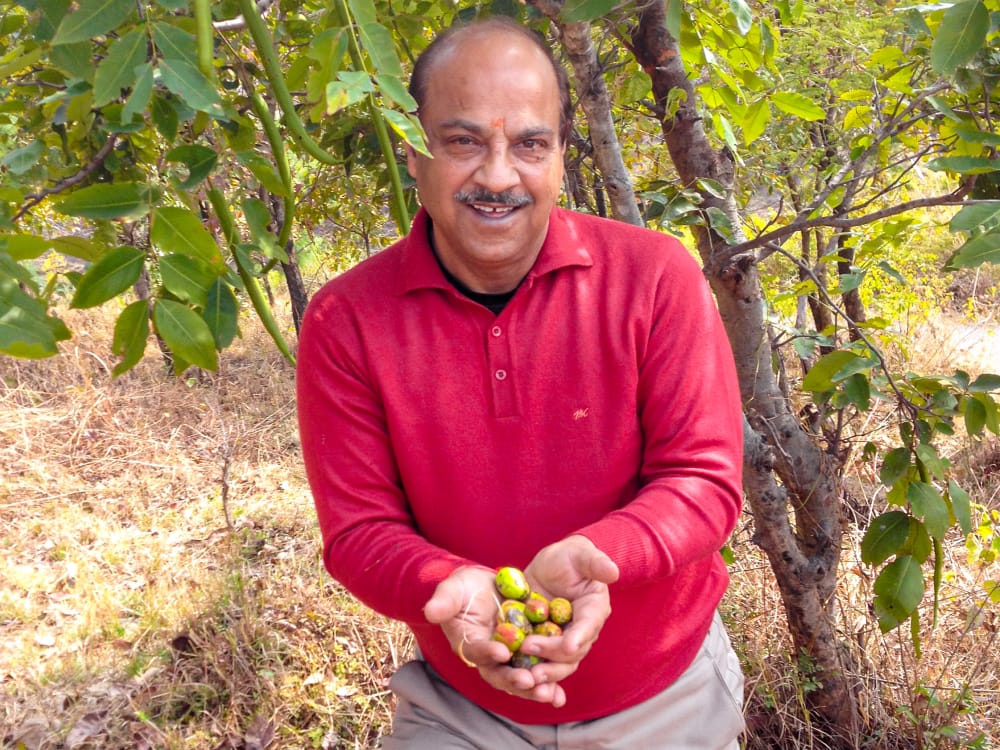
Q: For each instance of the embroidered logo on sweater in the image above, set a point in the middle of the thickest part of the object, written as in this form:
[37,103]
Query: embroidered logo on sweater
[581,414]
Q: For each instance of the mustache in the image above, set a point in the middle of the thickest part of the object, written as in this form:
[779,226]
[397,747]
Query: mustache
[506,198]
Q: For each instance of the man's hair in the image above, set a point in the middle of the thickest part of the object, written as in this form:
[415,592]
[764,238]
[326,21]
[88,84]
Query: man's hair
[450,37]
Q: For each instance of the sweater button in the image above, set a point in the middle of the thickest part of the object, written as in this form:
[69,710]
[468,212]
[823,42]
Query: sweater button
[496,331]
[501,374]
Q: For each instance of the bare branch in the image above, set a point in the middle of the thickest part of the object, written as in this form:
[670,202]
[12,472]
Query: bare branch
[34,199]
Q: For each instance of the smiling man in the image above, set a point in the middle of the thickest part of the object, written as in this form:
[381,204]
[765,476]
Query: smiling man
[517,384]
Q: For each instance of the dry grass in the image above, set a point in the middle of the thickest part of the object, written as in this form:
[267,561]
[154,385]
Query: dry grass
[133,615]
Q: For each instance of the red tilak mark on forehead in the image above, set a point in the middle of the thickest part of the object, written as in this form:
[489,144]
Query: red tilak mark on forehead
[498,123]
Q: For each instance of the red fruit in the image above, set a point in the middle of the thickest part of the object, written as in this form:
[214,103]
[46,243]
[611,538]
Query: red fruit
[509,635]
[537,608]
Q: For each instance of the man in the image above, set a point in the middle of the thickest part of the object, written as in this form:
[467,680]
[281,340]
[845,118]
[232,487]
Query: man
[517,384]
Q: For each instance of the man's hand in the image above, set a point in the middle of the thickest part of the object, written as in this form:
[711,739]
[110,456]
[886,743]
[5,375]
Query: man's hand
[465,606]
[577,570]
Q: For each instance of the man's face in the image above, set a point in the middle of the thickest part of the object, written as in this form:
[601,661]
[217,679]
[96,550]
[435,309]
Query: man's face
[491,113]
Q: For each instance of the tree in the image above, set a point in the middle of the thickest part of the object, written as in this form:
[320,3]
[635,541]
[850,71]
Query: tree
[128,120]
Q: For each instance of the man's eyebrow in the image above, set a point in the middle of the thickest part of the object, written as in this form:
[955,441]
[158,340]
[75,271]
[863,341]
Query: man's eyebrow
[458,123]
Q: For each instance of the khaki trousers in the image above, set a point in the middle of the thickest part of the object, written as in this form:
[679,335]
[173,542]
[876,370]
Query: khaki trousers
[702,710]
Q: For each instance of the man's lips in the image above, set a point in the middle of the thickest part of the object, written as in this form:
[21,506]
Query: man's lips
[492,210]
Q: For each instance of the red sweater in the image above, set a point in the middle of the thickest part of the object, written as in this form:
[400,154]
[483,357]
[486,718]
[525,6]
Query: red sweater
[602,401]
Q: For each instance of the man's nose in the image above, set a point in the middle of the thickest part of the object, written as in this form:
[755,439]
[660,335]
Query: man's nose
[498,171]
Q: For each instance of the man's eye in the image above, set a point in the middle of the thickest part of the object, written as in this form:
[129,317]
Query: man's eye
[462,140]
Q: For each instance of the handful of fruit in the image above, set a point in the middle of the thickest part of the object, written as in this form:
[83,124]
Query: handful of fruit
[525,612]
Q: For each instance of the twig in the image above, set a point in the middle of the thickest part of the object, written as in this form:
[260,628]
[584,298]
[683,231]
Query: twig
[35,198]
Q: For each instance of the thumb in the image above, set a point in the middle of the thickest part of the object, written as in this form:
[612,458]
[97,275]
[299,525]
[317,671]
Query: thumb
[597,566]
[446,601]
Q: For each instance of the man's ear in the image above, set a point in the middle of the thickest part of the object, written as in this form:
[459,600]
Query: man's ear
[411,159]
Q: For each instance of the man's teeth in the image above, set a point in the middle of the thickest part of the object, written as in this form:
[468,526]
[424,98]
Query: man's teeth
[494,209]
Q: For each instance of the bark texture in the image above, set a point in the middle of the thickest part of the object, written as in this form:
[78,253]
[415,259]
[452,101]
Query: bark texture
[793,486]
[588,80]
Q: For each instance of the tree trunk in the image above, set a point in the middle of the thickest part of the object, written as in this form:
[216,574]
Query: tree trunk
[588,80]
[792,484]
[297,295]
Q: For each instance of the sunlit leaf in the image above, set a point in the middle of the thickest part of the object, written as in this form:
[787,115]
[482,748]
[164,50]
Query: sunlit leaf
[985,382]
[264,170]
[982,249]
[172,42]
[221,313]
[92,18]
[975,416]
[585,10]
[960,36]
[130,336]
[190,84]
[117,71]
[119,200]
[20,160]
[798,105]
[258,218]
[898,591]
[186,334]
[884,537]
[179,230]
[928,504]
[187,278]
[826,372]
[351,87]
[408,128]
[755,121]
[977,215]
[109,277]
[964,164]
[393,88]
[199,160]
[26,330]
[743,14]
[961,506]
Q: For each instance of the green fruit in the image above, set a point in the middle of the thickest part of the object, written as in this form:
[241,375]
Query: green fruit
[512,584]
[560,611]
[547,628]
[517,617]
[523,661]
[537,608]
[509,635]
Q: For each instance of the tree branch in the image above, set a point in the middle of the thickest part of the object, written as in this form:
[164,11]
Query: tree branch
[35,198]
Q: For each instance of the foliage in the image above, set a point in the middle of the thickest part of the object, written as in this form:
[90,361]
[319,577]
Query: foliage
[178,117]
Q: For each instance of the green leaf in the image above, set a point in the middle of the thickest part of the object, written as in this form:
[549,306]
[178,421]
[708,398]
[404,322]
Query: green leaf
[884,538]
[264,171]
[117,71]
[191,85]
[985,383]
[351,87]
[961,507]
[92,18]
[179,230]
[964,164]
[375,38]
[109,277]
[895,466]
[175,43]
[798,105]
[199,160]
[986,214]
[393,88]
[26,330]
[258,218]
[187,278]
[982,249]
[827,371]
[186,334]
[858,390]
[221,313]
[975,416]
[960,36]
[755,121]
[141,93]
[408,127]
[898,591]
[743,14]
[120,200]
[165,115]
[24,246]
[585,10]
[928,504]
[131,334]
[20,160]
[933,462]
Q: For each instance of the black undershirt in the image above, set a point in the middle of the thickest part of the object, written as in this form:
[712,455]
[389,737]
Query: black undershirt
[495,303]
